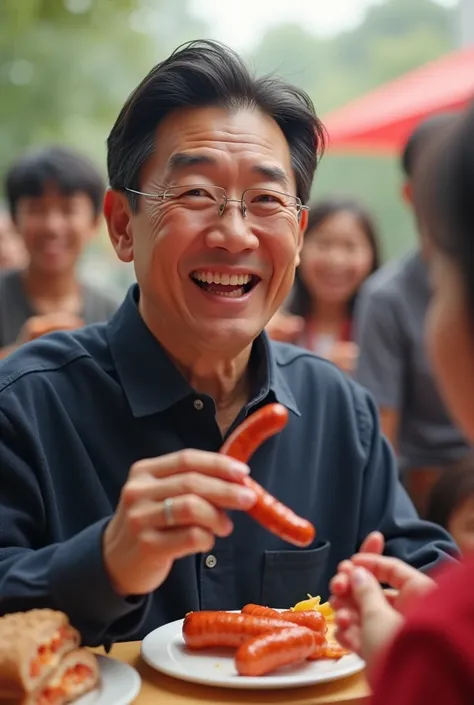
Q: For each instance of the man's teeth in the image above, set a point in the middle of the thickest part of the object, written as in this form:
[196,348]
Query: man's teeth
[234,294]
[225,279]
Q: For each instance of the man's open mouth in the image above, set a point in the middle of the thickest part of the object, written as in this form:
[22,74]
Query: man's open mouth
[221,284]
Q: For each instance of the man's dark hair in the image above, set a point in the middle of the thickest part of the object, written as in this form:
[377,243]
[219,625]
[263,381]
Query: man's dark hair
[300,300]
[203,73]
[420,137]
[57,167]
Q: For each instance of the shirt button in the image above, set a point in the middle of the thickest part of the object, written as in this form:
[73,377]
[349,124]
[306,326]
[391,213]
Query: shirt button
[198,404]
[211,561]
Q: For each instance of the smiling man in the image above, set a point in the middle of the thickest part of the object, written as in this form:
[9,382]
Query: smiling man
[116,506]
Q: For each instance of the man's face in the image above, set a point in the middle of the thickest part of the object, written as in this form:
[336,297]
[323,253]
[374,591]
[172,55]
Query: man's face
[215,279]
[55,228]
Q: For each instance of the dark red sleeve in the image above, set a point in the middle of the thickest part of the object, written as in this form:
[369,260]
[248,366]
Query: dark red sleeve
[424,666]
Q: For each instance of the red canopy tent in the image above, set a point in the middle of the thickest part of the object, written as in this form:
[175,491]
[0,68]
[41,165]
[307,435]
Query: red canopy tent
[381,121]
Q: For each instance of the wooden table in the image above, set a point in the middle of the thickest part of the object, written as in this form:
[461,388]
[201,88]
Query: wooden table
[158,688]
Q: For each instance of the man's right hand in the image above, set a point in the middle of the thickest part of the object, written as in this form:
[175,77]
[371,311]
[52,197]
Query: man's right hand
[146,535]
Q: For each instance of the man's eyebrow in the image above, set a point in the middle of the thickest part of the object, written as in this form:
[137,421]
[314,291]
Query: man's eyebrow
[182,160]
[272,173]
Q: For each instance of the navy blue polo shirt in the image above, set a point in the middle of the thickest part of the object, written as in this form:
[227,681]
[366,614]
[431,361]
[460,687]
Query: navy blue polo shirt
[78,409]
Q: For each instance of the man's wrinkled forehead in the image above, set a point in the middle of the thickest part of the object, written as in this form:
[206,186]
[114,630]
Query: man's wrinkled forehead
[183,162]
[203,139]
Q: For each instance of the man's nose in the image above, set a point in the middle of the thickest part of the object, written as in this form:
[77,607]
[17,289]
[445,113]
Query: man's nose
[232,231]
[337,257]
[53,221]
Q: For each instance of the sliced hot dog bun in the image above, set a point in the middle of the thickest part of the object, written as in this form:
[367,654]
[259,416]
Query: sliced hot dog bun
[77,674]
[32,645]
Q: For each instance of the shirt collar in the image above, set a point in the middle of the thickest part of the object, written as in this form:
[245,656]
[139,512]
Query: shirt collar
[270,376]
[151,381]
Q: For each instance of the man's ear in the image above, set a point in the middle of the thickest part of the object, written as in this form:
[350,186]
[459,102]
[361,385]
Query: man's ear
[303,224]
[118,218]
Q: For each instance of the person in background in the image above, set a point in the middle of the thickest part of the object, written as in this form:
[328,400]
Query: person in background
[421,650]
[55,200]
[340,250]
[392,362]
[451,504]
[12,250]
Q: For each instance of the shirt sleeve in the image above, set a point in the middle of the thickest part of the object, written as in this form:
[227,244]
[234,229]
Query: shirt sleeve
[382,356]
[422,666]
[385,505]
[69,576]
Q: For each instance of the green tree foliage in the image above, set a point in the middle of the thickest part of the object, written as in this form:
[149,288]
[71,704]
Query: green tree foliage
[66,66]
[395,37]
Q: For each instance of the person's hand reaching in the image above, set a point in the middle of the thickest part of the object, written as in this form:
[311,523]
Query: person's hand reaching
[367,617]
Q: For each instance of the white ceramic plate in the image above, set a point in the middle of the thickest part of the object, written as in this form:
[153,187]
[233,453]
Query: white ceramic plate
[120,684]
[164,649]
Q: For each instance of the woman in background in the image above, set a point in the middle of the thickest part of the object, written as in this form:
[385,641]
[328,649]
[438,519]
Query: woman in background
[419,648]
[340,250]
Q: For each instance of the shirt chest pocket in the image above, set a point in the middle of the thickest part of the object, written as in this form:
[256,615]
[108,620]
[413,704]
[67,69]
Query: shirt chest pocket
[288,576]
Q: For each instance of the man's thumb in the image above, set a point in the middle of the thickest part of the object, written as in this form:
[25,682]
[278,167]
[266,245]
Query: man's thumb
[367,592]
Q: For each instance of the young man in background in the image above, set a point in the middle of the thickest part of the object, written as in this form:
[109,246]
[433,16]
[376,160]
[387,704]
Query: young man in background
[55,200]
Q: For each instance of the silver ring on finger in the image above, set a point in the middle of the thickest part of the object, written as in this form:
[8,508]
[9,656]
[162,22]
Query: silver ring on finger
[168,511]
